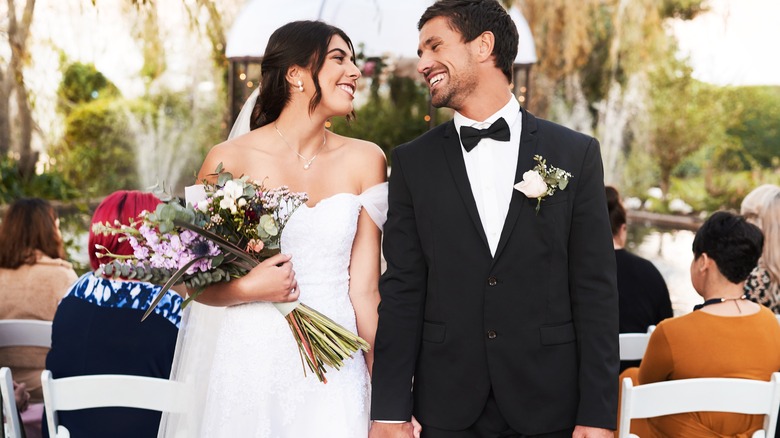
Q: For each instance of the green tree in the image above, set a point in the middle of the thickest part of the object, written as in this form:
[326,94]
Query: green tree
[686,115]
[82,83]
[756,111]
[96,153]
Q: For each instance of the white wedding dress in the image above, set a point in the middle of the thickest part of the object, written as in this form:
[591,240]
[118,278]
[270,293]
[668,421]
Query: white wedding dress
[256,384]
[241,364]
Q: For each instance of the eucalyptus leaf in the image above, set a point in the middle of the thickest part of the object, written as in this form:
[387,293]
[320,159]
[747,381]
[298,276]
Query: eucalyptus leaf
[269,225]
[223,178]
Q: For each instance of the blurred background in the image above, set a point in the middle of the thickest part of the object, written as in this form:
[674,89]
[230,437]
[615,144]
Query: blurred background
[684,96]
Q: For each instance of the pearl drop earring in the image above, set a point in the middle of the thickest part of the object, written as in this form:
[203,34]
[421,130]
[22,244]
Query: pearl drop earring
[300,86]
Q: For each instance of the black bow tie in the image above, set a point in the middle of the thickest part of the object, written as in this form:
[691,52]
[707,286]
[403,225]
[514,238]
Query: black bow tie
[469,136]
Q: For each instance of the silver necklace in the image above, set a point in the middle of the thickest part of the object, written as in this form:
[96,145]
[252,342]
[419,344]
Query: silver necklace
[307,161]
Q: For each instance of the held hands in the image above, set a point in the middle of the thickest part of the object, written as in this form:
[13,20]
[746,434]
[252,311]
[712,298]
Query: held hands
[591,432]
[272,280]
[395,430]
[21,396]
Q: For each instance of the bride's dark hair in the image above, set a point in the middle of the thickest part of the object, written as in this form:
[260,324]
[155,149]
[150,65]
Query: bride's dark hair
[301,43]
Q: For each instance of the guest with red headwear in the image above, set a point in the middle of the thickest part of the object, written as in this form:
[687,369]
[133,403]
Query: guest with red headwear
[98,329]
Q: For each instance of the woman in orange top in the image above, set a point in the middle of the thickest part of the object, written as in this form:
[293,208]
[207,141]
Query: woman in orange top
[711,341]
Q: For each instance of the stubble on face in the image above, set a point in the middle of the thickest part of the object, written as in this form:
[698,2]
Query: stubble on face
[443,51]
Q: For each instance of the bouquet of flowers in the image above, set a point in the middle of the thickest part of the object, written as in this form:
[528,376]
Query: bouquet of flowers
[233,226]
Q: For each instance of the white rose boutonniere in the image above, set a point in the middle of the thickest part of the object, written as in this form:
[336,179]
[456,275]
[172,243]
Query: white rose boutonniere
[542,181]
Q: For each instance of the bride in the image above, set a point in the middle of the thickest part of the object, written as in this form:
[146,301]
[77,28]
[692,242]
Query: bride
[235,348]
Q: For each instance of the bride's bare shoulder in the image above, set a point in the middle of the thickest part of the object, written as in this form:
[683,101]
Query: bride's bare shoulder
[234,154]
[366,160]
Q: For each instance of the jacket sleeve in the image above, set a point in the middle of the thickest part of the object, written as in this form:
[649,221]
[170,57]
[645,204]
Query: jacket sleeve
[402,290]
[594,296]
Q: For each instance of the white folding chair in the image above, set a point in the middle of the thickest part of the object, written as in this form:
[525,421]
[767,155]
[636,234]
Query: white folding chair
[109,390]
[18,333]
[742,396]
[25,333]
[12,427]
[633,345]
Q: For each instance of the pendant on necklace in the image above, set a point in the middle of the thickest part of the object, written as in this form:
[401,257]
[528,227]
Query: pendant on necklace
[306,166]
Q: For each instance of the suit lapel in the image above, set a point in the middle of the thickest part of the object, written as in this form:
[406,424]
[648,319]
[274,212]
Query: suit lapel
[452,152]
[525,162]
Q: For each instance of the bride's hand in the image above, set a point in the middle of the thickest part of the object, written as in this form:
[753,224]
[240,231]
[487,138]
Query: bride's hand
[272,280]
[416,427]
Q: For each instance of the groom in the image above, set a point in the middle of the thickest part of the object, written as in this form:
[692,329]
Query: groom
[497,319]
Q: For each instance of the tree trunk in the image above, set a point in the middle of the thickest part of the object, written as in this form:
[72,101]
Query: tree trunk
[5,123]
[18,34]
[666,178]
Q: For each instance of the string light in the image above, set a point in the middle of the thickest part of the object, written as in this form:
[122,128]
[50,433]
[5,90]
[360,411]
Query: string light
[427,118]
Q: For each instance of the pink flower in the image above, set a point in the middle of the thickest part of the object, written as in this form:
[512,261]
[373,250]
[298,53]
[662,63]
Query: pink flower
[255,245]
[532,185]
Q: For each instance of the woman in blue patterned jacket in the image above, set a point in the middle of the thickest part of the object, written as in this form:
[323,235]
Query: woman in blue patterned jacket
[98,330]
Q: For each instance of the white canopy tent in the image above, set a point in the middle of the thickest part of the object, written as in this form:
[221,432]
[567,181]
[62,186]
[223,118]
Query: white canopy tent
[380,27]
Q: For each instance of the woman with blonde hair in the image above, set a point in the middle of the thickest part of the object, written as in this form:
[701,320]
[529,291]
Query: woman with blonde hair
[762,208]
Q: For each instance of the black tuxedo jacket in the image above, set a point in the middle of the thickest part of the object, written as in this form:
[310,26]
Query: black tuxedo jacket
[537,323]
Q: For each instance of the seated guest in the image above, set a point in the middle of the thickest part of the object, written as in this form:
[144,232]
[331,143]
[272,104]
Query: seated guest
[34,276]
[644,298]
[98,329]
[726,336]
[761,207]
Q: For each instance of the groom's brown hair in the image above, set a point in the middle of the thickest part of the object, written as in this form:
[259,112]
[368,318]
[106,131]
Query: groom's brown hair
[471,18]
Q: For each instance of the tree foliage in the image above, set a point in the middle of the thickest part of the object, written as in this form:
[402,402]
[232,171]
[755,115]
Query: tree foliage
[96,152]
[82,83]
[757,112]
[686,115]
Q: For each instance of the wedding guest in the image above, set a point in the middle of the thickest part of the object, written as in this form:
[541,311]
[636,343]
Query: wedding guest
[711,341]
[34,276]
[98,329]
[762,208]
[644,297]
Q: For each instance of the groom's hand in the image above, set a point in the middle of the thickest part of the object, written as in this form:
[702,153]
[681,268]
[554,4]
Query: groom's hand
[391,430]
[591,432]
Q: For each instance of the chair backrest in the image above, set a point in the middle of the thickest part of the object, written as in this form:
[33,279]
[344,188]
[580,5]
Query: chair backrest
[743,396]
[633,345]
[109,390]
[18,333]
[25,333]
[12,426]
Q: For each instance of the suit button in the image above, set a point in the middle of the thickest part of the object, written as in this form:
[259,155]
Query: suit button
[492,281]
[491,334]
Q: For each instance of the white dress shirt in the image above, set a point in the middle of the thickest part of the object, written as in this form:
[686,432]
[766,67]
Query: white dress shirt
[491,168]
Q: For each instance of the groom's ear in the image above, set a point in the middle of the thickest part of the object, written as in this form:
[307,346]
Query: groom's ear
[484,45]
